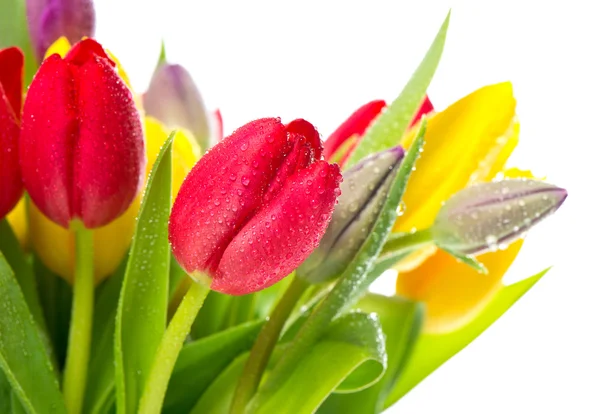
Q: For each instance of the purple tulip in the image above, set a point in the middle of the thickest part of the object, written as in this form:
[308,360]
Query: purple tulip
[48,20]
[489,216]
[174,99]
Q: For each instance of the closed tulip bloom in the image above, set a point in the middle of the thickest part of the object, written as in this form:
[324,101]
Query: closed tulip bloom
[364,191]
[174,99]
[55,245]
[11,87]
[81,148]
[254,207]
[487,216]
[48,20]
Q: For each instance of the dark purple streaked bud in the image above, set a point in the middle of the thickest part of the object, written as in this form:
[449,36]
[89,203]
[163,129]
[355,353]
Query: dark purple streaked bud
[489,216]
[174,99]
[49,20]
[364,191]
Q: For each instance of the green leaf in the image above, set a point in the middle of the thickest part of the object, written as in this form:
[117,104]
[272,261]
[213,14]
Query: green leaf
[350,357]
[431,351]
[469,261]
[9,246]
[5,394]
[100,391]
[200,362]
[23,357]
[352,284]
[401,322]
[142,311]
[13,32]
[386,131]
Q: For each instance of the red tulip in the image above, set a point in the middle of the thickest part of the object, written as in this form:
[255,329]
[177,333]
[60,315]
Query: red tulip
[82,149]
[357,124]
[11,92]
[255,206]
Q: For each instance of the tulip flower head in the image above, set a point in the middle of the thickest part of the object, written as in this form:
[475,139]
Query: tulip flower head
[81,149]
[255,206]
[48,20]
[487,216]
[11,86]
[364,191]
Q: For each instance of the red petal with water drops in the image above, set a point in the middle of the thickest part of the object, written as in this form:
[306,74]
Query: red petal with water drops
[11,85]
[223,190]
[282,234]
[81,148]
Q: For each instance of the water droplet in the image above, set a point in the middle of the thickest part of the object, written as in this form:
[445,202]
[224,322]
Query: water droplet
[245,180]
[244,146]
[401,209]
[232,177]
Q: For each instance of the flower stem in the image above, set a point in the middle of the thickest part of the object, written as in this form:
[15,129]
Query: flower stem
[80,333]
[263,347]
[169,348]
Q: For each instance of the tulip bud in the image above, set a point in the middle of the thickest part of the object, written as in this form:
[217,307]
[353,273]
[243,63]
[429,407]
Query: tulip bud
[81,148]
[489,216]
[11,86]
[48,20]
[254,207]
[364,191]
[174,99]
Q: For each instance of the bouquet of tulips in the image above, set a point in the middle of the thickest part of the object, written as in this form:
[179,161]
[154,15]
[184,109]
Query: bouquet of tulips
[143,271]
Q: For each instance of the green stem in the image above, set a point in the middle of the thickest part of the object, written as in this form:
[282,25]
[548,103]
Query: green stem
[263,347]
[399,244]
[169,348]
[80,333]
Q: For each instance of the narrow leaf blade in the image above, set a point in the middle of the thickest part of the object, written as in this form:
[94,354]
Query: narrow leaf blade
[142,311]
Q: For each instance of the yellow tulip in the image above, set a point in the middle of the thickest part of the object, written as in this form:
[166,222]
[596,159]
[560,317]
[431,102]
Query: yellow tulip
[466,143]
[17,219]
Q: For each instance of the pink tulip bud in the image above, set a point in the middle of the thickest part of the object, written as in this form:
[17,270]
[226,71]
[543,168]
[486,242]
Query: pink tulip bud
[11,92]
[255,206]
[82,148]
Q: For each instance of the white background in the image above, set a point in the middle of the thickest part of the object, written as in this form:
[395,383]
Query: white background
[322,59]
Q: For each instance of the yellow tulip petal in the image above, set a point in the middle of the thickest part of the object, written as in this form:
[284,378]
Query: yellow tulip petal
[61,46]
[459,142]
[453,292]
[17,219]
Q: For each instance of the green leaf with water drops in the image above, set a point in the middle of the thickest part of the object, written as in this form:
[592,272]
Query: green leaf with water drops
[401,321]
[23,356]
[10,247]
[201,361]
[142,311]
[13,32]
[389,127]
[352,284]
[350,357]
[432,350]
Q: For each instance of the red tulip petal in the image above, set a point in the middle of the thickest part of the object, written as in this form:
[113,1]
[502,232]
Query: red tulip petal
[11,185]
[11,77]
[281,235]
[222,192]
[426,108]
[86,51]
[47,139]
[356,124]
[109,158]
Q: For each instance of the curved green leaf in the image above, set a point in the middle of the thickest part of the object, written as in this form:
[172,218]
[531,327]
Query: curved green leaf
[350,357]
[431,351]
[23,356]
[142,311]
[401,322]
[200,362]
[392,123]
